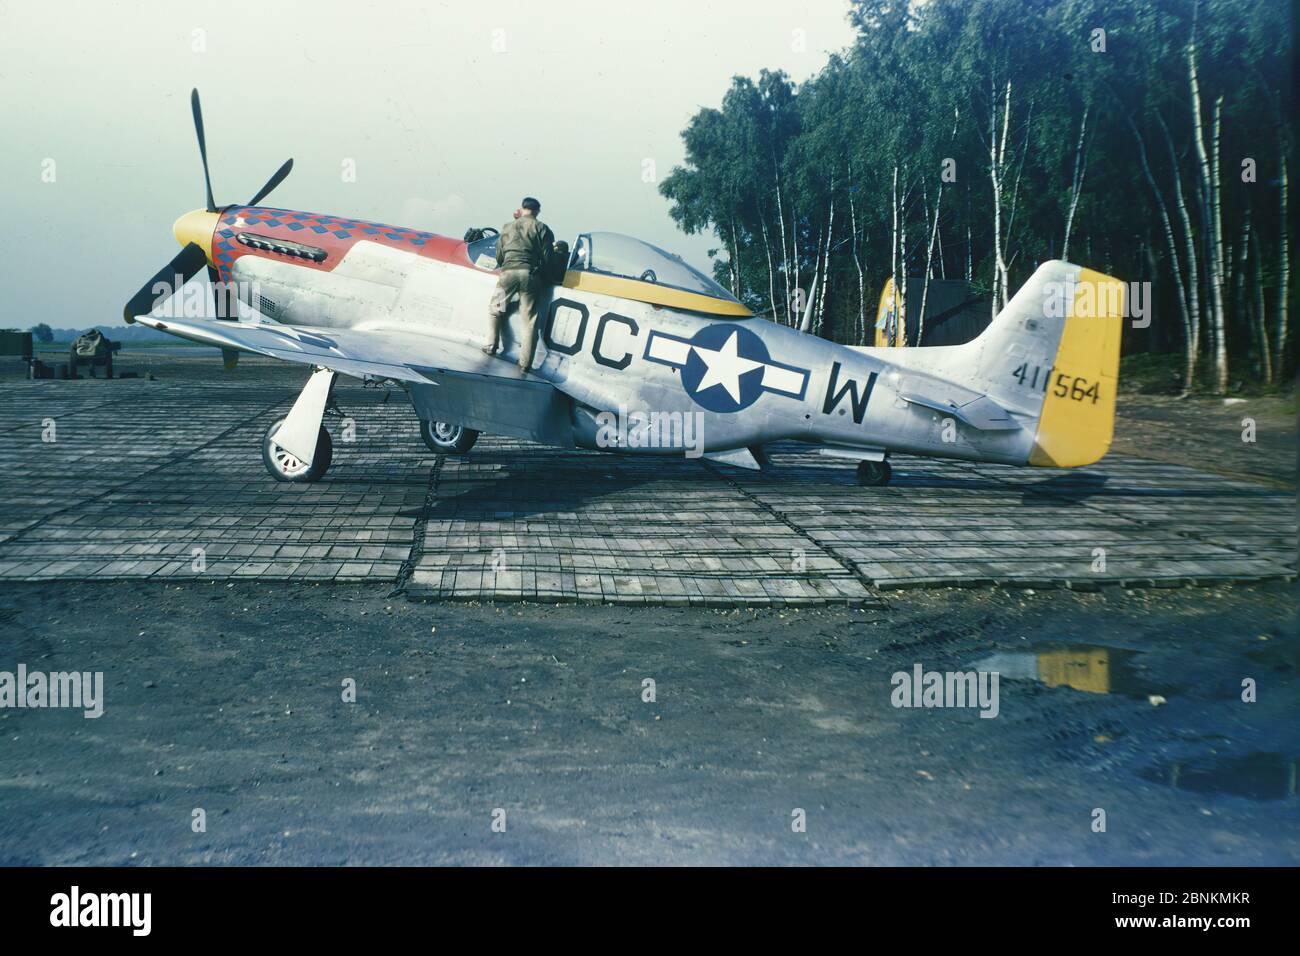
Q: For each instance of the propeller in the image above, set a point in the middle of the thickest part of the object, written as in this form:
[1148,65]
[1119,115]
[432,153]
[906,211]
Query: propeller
[203,145]
[173,275]
[192,258]
[279,177]
[271,183]
[223,297]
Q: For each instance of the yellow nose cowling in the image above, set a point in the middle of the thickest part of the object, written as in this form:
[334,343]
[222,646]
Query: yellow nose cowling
[197,227]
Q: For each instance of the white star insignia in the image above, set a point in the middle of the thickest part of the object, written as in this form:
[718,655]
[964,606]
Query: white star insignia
[724,367]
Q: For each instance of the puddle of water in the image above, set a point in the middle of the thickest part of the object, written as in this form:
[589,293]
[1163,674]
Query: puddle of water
[1091,668]
[1255,776]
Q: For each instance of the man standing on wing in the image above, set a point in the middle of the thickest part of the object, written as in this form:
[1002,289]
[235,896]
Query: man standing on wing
[523,251]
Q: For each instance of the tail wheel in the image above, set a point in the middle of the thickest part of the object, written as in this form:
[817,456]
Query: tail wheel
[874,473]
[285,466]
[446,438]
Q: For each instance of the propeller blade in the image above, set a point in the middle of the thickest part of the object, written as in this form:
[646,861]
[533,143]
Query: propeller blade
[203,146]
[223,299]
[271,183]
[174,275]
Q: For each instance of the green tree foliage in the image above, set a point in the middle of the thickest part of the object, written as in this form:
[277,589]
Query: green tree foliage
[1049,116]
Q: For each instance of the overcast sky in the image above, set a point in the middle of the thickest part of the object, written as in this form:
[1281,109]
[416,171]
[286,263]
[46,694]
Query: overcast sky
[450,112]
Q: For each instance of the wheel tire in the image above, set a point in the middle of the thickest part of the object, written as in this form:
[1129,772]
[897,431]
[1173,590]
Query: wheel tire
[445,438]
[874,474]
[286,467]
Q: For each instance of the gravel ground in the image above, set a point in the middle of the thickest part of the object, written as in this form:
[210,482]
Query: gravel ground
[227,697]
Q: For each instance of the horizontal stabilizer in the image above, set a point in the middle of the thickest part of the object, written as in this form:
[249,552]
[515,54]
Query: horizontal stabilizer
[964,404]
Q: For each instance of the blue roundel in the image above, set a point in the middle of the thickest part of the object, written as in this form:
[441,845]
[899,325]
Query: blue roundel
[724,370]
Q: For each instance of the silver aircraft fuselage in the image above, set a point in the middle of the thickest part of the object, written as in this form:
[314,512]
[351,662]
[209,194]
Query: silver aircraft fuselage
[610,354]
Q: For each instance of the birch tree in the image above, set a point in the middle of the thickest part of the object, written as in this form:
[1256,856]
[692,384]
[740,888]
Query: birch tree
[1076,181]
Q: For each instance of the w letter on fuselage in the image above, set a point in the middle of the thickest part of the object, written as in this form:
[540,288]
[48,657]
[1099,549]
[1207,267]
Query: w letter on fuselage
[850,387]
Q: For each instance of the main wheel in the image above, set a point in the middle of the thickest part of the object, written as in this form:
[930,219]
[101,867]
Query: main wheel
[446,438]
[284,466]
[874,473]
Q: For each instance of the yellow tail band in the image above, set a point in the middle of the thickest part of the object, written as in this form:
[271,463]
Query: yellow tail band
[1078,417]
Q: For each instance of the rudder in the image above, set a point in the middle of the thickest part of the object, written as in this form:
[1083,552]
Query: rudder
[1077,420]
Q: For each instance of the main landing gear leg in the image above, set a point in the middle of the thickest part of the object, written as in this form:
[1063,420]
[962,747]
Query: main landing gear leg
[297,447]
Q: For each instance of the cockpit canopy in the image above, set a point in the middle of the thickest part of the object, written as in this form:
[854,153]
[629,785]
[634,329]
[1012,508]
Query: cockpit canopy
[611,253]
[624,256]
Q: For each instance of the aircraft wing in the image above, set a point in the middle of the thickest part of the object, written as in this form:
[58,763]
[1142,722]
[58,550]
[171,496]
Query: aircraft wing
[384,353]
[448,381]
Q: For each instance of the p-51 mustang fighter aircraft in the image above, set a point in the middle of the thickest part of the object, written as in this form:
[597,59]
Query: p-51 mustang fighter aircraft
[638,351]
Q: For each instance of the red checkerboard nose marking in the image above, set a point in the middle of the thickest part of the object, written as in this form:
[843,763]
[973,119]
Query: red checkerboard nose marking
[335,234]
